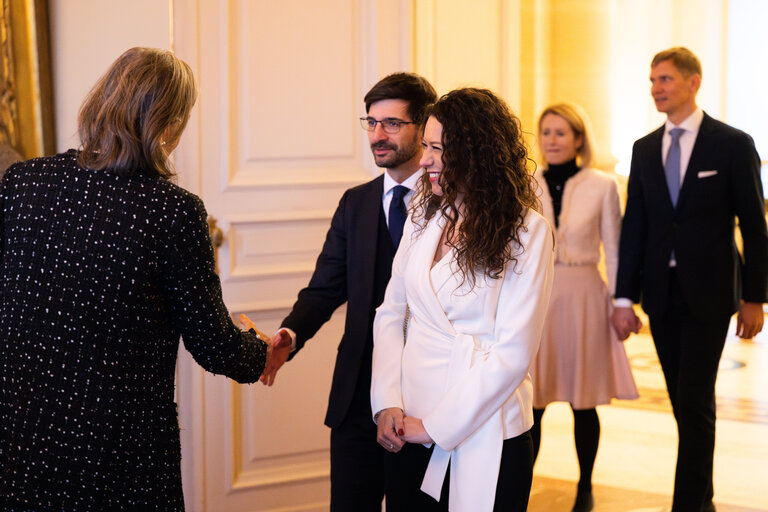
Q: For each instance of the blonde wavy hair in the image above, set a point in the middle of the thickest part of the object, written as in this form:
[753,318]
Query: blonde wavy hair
[578,120]
[141,104]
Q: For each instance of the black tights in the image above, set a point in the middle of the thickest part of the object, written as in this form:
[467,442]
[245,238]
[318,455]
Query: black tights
[586,434]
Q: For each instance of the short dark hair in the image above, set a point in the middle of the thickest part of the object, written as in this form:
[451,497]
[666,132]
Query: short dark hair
[683,59]
[126,114]
[410,87]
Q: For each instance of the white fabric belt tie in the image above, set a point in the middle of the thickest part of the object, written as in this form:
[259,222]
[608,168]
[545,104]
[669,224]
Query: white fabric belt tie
[476,461]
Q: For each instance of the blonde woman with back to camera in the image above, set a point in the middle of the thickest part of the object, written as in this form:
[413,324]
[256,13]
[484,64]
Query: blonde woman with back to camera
[580,360]
[104,264]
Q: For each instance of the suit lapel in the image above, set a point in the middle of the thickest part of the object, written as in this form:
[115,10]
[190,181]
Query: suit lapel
[367,235]
[699,156]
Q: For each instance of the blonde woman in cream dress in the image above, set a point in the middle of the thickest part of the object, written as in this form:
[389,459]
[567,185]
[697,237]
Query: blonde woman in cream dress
[580,360]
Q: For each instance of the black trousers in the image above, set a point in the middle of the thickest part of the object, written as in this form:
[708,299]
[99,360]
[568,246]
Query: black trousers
[689,350]
[512,489]
[359,465]
[358,470]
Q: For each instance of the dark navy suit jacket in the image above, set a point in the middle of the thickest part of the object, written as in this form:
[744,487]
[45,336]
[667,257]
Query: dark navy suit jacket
[722,183]
[345,272]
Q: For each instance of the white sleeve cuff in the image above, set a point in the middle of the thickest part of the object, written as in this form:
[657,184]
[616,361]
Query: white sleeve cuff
[292,335]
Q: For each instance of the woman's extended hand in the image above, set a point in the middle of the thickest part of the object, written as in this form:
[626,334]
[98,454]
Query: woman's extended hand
[278,350]
[414,432]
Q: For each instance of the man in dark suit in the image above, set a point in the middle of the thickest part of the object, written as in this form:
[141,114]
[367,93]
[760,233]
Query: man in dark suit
[689,180]
[354,267]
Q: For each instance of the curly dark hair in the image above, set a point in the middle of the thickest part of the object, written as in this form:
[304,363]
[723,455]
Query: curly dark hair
[484,161]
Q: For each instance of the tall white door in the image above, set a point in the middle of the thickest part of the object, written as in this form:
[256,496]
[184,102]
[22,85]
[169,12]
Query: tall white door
[273,143]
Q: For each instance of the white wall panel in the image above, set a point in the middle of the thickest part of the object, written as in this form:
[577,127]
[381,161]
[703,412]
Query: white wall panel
[294,79]
[86,37]
[460,44]
[254,251]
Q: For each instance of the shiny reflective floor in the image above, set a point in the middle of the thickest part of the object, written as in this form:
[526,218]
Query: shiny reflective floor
[635,463]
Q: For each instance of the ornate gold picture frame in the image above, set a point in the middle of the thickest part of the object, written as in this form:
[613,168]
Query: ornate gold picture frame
[26,96]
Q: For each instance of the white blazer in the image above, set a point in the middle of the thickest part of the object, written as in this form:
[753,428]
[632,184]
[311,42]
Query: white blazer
[464,367]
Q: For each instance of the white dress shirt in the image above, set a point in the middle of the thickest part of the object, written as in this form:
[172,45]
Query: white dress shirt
[691,126]
[390,183]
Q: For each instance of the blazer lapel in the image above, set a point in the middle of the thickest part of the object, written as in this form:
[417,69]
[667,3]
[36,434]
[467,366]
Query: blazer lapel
[368,232]
[438,273]
[442,272]
[699,156]
[429,240]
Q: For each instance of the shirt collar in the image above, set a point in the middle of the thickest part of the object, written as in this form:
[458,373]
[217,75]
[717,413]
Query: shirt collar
[410,182]
[692,123]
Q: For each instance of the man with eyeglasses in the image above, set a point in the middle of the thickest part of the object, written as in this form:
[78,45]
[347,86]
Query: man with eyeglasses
[354,267]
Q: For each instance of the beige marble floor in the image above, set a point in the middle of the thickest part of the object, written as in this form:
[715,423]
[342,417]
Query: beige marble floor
[635,464]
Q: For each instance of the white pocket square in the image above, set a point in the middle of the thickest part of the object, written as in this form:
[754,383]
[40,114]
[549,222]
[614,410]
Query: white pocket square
[706,174]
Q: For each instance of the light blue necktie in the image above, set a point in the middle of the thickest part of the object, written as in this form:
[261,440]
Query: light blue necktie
[672,165]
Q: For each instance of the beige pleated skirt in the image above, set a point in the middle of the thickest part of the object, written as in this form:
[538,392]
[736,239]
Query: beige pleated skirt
[580,361]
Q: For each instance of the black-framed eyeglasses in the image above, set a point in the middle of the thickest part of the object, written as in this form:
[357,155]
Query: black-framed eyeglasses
[389,125]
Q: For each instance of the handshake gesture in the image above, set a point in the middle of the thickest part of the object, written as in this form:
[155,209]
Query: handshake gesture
[277,352]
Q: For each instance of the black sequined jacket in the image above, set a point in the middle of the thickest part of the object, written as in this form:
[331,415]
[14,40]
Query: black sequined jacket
[99,277]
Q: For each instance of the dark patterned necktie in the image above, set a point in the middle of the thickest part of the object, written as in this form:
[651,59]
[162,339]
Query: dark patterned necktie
[397,214]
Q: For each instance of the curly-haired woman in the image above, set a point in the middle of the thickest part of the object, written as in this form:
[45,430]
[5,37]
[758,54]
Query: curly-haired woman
[474,273]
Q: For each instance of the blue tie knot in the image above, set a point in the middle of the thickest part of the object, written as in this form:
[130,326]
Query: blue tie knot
[399,192]
[675,133]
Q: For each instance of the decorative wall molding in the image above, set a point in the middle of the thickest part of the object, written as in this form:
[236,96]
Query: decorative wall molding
[273,244]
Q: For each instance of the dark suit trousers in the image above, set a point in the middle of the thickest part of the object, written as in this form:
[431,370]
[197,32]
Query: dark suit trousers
[689,350]
[358,462]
